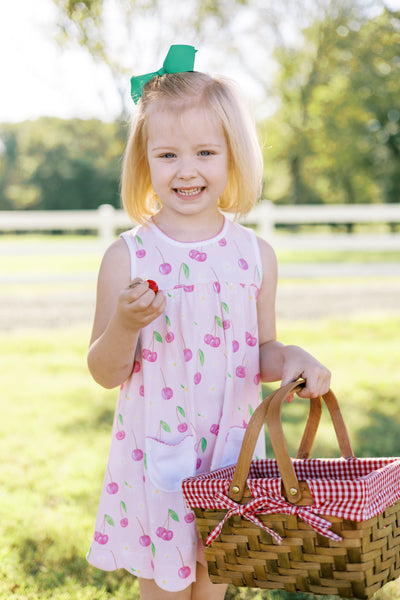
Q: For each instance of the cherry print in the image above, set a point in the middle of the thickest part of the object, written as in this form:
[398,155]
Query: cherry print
[120,435]
[184,571]
[100,538]
[235,345]
[214,429]
[112,488]
[169,337]
[137,454]
[166,392]
[182,426]
[226,324]
[144,539]
[222,242]
[140,252]
[124,521]
[165,533]
[164,268]
[189,518]
[136,366]
[187,354]
[241,371]
[217,286]
[257,379]
[250,340]
[199,256]
[197,378]
[242,262]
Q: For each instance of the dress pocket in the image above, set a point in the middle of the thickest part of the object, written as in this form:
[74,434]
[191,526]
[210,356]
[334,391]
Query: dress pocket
[168,464]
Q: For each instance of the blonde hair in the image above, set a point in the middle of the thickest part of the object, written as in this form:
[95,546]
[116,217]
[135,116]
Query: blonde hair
[220,96]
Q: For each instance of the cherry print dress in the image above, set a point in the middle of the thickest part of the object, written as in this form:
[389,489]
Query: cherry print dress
[184,409]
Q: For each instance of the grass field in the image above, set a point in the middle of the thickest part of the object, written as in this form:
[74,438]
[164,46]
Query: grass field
[55,429]
[55,425]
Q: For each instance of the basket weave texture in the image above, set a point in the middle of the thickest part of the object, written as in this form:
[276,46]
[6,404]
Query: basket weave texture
[341,536]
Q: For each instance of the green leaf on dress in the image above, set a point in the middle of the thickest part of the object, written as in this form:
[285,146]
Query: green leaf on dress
[157,336]
[173,515]
[225,307]
[186,270]
[109,520]
[165,426]
[218,320]
[201,357]
[181,411]
[203,444]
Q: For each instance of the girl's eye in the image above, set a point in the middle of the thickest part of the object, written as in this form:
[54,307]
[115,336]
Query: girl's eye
[168,155]
[205,153]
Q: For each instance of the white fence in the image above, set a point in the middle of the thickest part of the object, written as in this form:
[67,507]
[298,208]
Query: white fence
[265,216]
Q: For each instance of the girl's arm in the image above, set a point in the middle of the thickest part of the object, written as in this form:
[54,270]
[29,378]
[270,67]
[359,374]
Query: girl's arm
[277,361]
[120,314]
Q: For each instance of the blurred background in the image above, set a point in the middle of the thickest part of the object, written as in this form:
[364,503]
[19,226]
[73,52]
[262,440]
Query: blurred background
[323,80]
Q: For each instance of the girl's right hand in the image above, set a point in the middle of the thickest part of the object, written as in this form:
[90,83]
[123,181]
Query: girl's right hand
[138,305]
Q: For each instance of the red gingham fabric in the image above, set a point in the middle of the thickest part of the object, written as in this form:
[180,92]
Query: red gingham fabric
[356,489]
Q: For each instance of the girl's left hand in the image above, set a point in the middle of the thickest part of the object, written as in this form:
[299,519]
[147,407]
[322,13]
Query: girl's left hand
[300,364]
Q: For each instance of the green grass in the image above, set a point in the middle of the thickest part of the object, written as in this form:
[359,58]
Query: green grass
[55,430]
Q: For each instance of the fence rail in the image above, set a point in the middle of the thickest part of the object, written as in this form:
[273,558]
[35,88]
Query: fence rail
[265,217]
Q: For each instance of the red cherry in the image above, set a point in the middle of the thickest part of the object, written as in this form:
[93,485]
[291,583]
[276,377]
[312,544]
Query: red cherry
[152,285]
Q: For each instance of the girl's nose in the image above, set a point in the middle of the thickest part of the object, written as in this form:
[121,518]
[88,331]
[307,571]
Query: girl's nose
[186,169]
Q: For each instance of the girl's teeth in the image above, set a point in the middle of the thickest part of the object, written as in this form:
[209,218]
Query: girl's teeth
[192,192]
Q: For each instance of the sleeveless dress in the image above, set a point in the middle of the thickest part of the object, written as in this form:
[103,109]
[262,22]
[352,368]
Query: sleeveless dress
[184,410]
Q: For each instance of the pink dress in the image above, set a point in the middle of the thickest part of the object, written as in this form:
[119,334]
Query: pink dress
[184,409]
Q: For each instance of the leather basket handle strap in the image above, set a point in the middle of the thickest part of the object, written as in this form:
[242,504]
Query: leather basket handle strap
[279,445]
[256,423]
[270,410]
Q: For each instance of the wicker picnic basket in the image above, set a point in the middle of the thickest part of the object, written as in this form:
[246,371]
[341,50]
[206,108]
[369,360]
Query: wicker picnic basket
[322,526]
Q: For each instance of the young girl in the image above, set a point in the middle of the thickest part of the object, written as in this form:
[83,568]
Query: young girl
[190,357]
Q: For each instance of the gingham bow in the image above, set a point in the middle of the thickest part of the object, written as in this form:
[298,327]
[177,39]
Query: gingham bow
[268,506]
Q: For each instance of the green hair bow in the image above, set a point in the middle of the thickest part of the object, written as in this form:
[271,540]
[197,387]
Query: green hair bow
[180,59]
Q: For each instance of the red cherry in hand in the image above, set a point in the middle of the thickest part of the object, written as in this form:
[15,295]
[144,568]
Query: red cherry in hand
[152,285]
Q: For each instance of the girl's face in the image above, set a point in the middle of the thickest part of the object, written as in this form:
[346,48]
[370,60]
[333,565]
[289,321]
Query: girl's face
[188,158]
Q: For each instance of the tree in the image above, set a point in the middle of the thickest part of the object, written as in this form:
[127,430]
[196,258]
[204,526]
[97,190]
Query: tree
[55,164]
[335,137]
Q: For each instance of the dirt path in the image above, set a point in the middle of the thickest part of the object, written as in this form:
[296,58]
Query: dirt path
[309,300]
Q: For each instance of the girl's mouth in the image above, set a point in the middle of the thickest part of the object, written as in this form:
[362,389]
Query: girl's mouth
[189,192]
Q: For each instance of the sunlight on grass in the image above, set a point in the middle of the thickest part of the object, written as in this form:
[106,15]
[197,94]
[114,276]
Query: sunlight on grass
[55,430]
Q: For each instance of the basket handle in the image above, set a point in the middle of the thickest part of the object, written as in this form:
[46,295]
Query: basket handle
[270,410]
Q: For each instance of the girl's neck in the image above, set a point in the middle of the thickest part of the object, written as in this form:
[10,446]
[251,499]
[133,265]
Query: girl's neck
[189,230]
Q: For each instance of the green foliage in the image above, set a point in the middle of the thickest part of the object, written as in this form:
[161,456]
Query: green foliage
[336,136]
[55,164]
